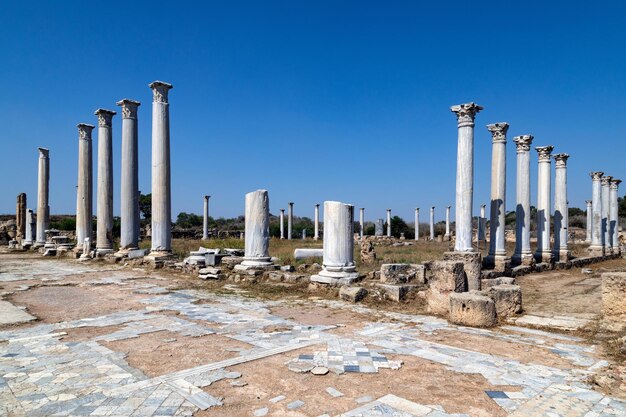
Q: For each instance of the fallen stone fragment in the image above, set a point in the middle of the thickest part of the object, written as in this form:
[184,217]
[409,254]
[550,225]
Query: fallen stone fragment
[319,370]
[261,412]
[300,367]
[352,294]
[470,309]
[333,392]
[232,375]
[238,384]
[277,399]
[364,399]
[295,404]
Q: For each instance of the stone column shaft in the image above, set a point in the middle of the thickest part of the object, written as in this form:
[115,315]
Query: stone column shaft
[589,221]
[606,207]
[388,222]
[432,223]
[316,234]
[282,223]
[362,221]
[84,193]
[597,247]
[20,217]
[29,235]
[561,215]
[543,253]
[417,223]
[497,213]
[523,254]
[129,181]
[257,232]
[480,230]
[614,216]
[205,222]
[104,235]
[448,222]
[43,187]
[161,175]
[290,221]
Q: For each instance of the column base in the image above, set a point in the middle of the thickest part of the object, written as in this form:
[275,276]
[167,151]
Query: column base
[102,252]
[596,250]
[159,255]
[562,255]
[524,259]
[264,264]
[608,250]
[544,257]
[335,278]
[472,264]
[497,262]
[37,245]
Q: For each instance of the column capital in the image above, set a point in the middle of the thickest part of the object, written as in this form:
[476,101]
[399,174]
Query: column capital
[104,117]
[317,205]
[466,113]
[291,203]
[362,208]
[84,131]
[129,108]
[606,180]
[589,203]
[206,197]
[498,131]
[448,207]
[544,152]
[282,210]
[417,209]
[596,176]
[432,208]
[560,159]
[615,184]
[160,90]
[388,209]
[43,152]
[523,142]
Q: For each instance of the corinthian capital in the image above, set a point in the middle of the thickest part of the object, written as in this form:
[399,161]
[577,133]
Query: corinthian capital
[523,142]
[43,152]
[615,184]
[104,117]
[606,180]
[498,131]
[560,159]
[596,176]
[465,113]
[129,108]
[160,90]
[84,131]
[544,152]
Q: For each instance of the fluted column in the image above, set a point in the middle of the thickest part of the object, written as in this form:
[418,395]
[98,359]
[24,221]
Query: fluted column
[29,235]
[589,221]
[466,114]
[523,254]
[597,247]
[290,221]
[43,188]
[606,201]
[316,234]
[447,235]
[388,222]
[338,265]
[543,252]
[561,216]
[482,222]
[432,223]
[129,181]
[161,185]
[257,231]
[362,221]
[205,220]
[104,229]
[497,209]
[417,223]
[282,223]
[614,216]
[84,193]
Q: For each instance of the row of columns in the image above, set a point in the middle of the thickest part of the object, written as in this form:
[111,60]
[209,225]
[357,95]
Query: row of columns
[604,225]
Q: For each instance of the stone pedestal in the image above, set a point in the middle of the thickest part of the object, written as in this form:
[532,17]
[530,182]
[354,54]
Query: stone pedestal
[388,222]
[605,182]
[20,218]
[104,230]
[523,255]
[589,220]
[561,216]
[543,252]
[338,266]
[257,232]
[205,220]
[497,213]
[466,114]
[432,223]
[316,233]
[597,247]
[43,189]
[290,221]
[472,264]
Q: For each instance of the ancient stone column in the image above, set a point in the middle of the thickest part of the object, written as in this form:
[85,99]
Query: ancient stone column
[84,191]
[606,184]
[465,114]
[257,231]
[20,218]
[614,216]
[362,221]
[338,265]
[417,223]
[432,223]
[29,235]
[589,221]
[43,188]
[129,181]
[289,221]
[316,234]
[597,247]
[282,223]
[482,223]
[523,255]
[543,252]
[205,222]
[104,229]
[161,191]
[497,213]
[447,235]
[561,216]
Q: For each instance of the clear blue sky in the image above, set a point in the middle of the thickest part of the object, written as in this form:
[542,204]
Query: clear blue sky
[313,100]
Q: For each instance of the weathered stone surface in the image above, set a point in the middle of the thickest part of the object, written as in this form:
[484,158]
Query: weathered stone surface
[472,264]
[303,253]
[10,314]
[507,298]
[492,282]
[397,273]
[352,294]
[471,309]
[614,300]
[395,292]
[368,254]
[287,268]
[210,271]
[447,277]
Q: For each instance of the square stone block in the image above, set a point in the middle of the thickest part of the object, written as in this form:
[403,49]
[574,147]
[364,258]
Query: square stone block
[446,277]
[472,309]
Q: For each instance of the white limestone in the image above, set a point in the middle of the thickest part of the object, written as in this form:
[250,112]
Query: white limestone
[257,230]
[205,220]
[482,222]
[84,190]
[466,114]
[447,235]
[161,182]
[432,223]
[417,223]
[589,220]
[523,254]
[338,266]
[614,216]
[597,244]
[388,222]
[606,202]
[543,252]
[497,213]
[104,229]
[29,236]
[316,233]
[282,223]
[43,189]
[362,222]
[289,221]
[561,216]
[129,181]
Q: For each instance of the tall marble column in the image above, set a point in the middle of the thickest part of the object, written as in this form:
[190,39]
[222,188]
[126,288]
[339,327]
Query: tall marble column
[20,218]
[338,265]
[497,213]
[447,235]
[605,184]
[589,221]
[482,223]
[289,221]
[84,193]
[104,228]
[388,222]
[257,224]
[417,223]
[432,223]
[282,223]
[161,185]
[362,221]
[614,216]
[597,246]
[561,216]
[129,181]
[29,236]
[543,252]
[465,114]
[205,220]
[43,188]
[316,234]
[523,255]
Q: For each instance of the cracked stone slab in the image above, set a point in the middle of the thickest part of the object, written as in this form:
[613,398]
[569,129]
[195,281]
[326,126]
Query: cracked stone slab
[10,314]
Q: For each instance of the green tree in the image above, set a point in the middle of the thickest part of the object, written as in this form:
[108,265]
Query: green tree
[188,220]
[575,211]
[399,226]
[145,206]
